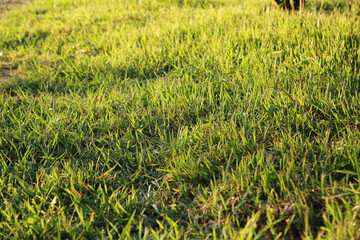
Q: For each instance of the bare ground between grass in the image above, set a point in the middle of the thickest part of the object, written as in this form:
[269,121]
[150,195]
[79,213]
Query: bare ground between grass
[5,73]
[5,77]
[5,5]
[7,70]
[10,4]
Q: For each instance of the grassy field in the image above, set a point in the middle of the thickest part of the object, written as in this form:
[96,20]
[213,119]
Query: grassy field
[174,119]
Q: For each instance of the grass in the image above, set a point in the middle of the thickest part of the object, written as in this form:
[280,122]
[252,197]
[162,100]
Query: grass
[174,119]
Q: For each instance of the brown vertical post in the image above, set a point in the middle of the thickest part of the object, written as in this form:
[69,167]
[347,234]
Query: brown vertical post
[302,5]
[298,5]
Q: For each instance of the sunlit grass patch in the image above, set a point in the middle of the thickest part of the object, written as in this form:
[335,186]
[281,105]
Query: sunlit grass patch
[179,119]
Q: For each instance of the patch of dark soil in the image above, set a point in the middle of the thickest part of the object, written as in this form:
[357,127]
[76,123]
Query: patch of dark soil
[5,76]
[289,224]
[5,73]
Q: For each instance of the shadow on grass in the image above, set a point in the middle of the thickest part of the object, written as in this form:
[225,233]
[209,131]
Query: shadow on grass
[80,78]
[28,38]
[341,6]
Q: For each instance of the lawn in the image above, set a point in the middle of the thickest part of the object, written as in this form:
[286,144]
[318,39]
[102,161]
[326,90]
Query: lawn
[179,119]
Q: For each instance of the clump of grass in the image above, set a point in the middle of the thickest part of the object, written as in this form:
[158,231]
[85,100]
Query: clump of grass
[179,119]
